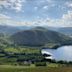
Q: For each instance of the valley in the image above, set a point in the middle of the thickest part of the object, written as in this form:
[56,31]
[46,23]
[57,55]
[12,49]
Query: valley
[23,49]
[35,35]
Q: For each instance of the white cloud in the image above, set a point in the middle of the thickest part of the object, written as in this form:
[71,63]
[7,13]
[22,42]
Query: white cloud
[64,21]
[47,4]
[6,20]
[45,7]
[2,16]
[12,4]
[69,4]
[35,8]
[43,1]
[17,7]
[49,1]
[67,16]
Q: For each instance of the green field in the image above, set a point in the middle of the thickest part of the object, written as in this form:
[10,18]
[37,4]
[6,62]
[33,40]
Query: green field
[22,50]
[7,68]
[18,55]
[15,59]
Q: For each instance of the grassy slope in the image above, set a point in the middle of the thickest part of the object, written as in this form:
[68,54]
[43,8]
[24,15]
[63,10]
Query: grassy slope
[5,68]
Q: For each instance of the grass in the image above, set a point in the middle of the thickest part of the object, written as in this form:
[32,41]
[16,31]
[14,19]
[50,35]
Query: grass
[7,68]
[12,55]
[52,65]
[22,50]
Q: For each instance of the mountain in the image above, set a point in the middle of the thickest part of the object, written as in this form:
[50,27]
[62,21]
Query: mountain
[63,30]
[25,27]
[8,29]
[66,31]
[39,36]
[52,28]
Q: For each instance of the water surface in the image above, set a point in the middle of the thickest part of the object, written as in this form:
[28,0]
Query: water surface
[62,53]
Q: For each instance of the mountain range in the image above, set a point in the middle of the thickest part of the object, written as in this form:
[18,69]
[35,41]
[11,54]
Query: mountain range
[66,30]
[35,36]
[11,29]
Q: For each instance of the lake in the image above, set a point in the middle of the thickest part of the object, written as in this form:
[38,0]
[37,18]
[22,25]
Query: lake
[61,53]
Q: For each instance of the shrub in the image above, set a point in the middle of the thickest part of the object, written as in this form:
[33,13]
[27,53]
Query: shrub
[40,63]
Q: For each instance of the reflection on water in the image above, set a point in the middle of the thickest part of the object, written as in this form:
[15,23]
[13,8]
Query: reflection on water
[62,53]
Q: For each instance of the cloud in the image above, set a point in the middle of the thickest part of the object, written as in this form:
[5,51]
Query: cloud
[2,16]
[12,4]
[49,1]
[69,4]
[17,6]
[67,16]
[45,7]
[47,4]
[35,8]
[64,21]
[6,20]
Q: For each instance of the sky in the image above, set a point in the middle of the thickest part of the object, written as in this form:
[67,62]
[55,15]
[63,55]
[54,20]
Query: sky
[55,13]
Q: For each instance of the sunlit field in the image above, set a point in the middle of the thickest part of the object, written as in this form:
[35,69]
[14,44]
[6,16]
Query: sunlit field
[7,68]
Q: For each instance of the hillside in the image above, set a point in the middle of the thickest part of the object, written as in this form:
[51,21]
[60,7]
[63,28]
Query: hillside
[4,40]
[8,30]
[66,30]
[39,37]
[63,30]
